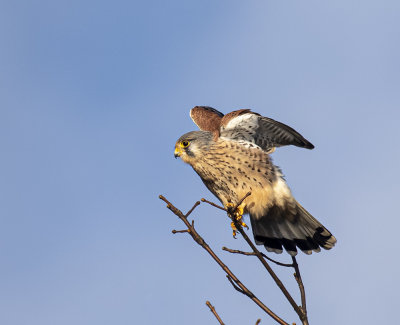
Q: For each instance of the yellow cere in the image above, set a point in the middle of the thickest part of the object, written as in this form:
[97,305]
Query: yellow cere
[178,151]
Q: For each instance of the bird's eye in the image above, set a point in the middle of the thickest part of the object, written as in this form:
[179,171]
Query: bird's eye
[184,144]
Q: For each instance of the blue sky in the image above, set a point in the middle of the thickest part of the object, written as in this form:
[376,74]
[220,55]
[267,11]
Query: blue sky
[93,96]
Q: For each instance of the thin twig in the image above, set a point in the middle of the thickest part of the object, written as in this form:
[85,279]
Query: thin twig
[235,251]
[258,321]
[198,239]
[179,231]
[191,210]
[297,276]
[300,310]
[214,312]
[241,200]
[213,204]
[236,287]
[271,272]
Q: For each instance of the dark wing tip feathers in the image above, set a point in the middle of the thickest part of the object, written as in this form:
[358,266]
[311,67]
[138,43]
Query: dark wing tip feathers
[308,145]
[280,129]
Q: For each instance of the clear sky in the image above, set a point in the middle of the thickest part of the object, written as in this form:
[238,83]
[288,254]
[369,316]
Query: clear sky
[94,94]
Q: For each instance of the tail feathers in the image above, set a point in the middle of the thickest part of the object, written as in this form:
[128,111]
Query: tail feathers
[289,229]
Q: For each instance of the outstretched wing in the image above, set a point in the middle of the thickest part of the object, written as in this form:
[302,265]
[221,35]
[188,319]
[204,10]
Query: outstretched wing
[206,118]
[244,125]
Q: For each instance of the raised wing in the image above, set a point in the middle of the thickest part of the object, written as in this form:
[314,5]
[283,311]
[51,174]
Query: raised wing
[206,118]
[244,125]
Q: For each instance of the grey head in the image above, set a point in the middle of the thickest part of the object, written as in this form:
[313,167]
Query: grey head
[192,145]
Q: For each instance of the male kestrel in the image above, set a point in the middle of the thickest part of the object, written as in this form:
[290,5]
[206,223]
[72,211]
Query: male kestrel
[231,156]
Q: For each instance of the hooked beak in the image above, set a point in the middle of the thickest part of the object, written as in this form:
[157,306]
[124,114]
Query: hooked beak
[178,152]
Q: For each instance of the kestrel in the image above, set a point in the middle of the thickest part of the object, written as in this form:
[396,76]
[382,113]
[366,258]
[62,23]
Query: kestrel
[231,156]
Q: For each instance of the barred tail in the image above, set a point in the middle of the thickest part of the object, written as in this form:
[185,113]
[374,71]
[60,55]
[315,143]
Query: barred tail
[291,227]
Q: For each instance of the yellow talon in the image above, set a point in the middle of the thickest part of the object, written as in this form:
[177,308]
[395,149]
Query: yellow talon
[240,219]
[238,215]
[234,229]
[244,225]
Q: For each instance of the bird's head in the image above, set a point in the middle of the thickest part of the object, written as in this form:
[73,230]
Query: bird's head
[191,146]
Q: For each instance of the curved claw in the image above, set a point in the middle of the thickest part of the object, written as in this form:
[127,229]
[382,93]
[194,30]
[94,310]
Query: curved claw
[238,215]
[244,225]
[234,229]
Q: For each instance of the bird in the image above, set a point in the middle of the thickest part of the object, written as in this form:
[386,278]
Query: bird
[231,154]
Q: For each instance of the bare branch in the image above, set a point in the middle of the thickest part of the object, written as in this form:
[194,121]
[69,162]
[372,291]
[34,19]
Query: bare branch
[213,204]
[179,231]
[214,312]
[297,276]
[235,251]
[300,310]
[276,262]
[272,273]
[191,210]
[241,201]
[236,287]
[259,255]
[196,237]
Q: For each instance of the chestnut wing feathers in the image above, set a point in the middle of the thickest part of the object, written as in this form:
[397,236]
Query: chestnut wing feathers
[206,118]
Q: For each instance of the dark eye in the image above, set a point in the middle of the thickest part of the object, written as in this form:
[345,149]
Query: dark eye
[184,144]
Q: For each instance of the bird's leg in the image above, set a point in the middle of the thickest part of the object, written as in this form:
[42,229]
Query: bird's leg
[237,215]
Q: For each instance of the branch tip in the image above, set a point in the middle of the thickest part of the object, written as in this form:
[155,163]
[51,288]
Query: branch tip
[193,207]
[212,309]
[235,251]
[180,231]
[213,204]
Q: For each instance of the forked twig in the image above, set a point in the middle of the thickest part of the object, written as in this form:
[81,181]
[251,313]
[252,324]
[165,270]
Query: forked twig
[231,276]
[236,287]
[300,310]
[297,276]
